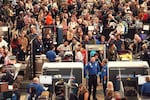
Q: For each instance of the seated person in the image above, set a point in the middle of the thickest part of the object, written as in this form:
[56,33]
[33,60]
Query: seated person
[35,89]
[146,87]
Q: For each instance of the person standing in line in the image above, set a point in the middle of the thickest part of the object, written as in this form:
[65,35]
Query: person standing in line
[104,75]
[47,42]
[15,44]
[83,93]
[38,45]
[78,54]
[92,69]
[112,52]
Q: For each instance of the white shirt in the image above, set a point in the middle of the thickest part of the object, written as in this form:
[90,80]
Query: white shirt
[120,28]
[3,43]
[7,60]
[79,57]
[61,47]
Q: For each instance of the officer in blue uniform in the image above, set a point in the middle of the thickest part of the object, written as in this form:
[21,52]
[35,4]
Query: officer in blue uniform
[35,89]
[51,54]
[146,87]
[104,75]
[92,69]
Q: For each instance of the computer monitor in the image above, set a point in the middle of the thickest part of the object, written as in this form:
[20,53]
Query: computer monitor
[45,79]
[146,27]
[141,79]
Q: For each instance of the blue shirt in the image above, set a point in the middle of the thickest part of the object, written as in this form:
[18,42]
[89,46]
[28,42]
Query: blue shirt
[38,87]
[92,68]
[145,88]
[104,72]
[51,55]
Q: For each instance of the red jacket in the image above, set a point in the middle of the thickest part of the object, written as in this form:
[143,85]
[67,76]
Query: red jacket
[49,20]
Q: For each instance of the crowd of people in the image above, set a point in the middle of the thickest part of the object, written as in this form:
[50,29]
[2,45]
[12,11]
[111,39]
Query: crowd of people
[70,25]
[64,28]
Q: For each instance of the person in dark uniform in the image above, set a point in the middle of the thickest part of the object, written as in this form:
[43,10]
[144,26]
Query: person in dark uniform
[96,55]
[104,75]
[47,42]
[38,45]
[92,69]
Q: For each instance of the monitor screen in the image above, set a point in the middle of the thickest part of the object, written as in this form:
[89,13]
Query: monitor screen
[141,79]
[146,27]
[45,79]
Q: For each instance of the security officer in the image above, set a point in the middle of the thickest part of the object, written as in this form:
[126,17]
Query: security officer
[104,75]
[92,69]
[38,45]
[51,54]
[146,87]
